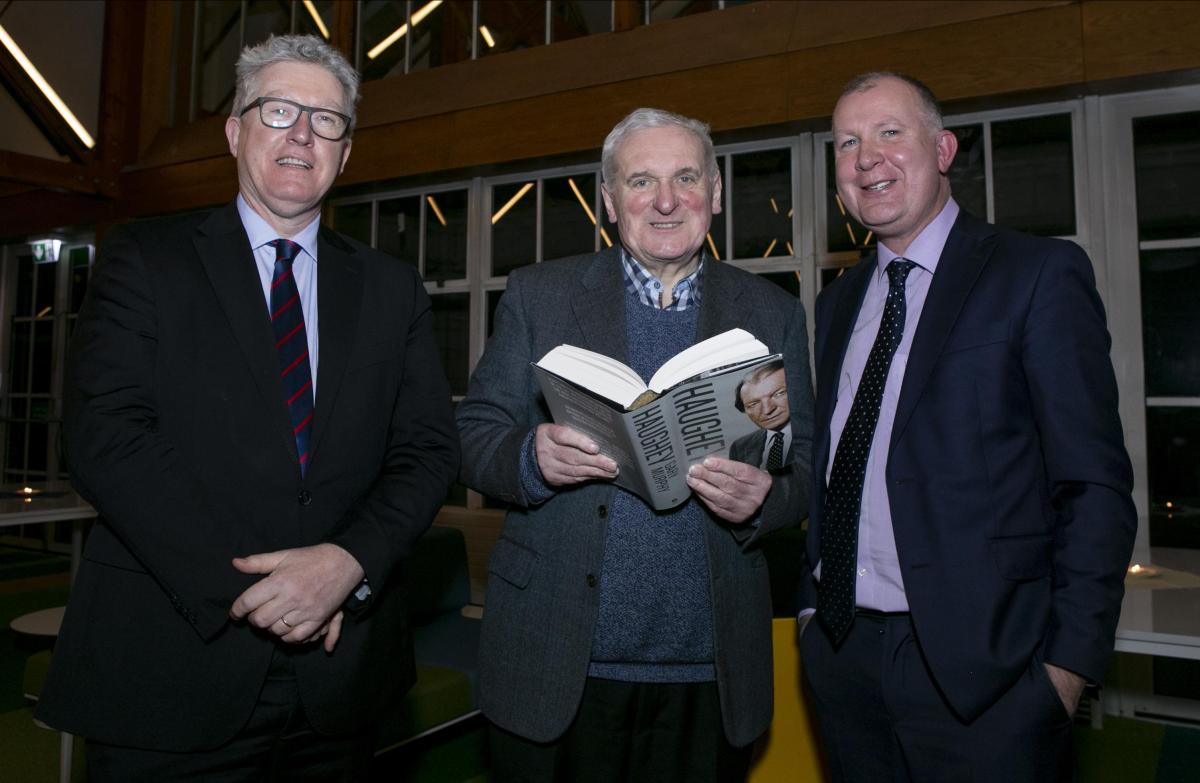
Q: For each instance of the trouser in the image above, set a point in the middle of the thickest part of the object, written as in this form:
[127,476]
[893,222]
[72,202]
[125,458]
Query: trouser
[884,720]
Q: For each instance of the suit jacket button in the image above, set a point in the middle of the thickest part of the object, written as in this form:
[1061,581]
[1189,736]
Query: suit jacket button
[304,498]
[591,578]
[602,511]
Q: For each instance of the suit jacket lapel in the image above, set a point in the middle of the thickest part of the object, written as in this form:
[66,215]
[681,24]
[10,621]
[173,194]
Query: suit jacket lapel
[841,326]
[719,308]
[600,290]
[339,299]
[226,256]
[967,250]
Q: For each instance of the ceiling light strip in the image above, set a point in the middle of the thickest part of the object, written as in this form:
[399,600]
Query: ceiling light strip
[63,110]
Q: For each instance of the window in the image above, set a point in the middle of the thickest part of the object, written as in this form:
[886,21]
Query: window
[1019,169]
[466,237]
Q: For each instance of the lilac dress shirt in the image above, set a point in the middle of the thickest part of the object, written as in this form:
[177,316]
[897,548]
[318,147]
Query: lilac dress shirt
[879,584]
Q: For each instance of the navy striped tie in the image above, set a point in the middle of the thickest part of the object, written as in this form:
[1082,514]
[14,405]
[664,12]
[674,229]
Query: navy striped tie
[291,345]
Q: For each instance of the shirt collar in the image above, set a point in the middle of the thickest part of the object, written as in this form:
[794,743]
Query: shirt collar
[927,248]
[647,288]
[260,231]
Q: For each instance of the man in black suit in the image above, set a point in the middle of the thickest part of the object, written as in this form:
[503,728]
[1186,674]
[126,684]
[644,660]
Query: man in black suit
[762,396]
[971,518]
[264,446]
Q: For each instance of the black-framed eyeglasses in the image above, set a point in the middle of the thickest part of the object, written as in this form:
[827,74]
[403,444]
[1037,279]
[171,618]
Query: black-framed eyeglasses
[282,113]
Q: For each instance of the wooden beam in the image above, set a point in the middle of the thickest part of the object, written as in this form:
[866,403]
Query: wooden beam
[343,27]
[40,211]
[120,93]
[39,109]
[45,173]
[628,14]
[1124,39]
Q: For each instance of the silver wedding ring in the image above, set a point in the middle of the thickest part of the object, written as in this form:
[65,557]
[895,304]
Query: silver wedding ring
[285,622]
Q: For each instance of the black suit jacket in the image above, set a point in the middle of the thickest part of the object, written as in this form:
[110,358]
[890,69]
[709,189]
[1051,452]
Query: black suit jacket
[176,431]
[1008,480]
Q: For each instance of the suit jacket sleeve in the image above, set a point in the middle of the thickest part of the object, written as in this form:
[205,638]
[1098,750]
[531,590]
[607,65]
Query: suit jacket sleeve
[422,457]
[495,418]
[1074,398]
[118,460]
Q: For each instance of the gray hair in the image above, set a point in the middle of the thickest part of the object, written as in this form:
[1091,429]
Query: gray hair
[641,119]
[925,97]
[294,49]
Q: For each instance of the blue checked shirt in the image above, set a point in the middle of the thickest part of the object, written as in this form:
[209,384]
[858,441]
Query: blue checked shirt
[647,288]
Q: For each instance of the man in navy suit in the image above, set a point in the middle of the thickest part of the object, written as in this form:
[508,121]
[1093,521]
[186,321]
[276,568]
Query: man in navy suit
[971,517]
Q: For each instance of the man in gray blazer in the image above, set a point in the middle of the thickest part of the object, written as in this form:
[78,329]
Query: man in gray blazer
[621,644]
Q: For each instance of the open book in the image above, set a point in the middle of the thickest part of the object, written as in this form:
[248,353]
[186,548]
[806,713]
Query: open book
[655,431]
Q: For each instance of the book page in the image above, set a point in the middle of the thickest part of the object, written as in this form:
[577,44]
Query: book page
[735,345]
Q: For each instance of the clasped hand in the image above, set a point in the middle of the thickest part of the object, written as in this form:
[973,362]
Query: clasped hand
[300,596]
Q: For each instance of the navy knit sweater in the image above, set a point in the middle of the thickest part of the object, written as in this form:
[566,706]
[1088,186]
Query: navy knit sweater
[655,622]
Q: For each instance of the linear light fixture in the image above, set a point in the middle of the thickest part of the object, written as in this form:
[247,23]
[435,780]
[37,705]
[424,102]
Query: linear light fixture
[512,202]
[791,252]
[713,247]
[770,247]
[774,206]
[316,17]
[437,212]
[487,36]
[43,85]
[591,215]
[402,30]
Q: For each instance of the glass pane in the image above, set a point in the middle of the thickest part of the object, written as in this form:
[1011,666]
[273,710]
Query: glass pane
[37,438]
[218,46]
[762,204]
[43,356]
[1173,451]
[842,231]
[354,220]
[514,226]
[267,17]
[507,27]
[19,367]
[26,270]
[442,37]
[968,177]
[306,21]
[382,50]
[577,18]
[18,432]
[1033,175]
[788,281]
[399,230]
[451,329]
[446,236]
[80,259]
[671,9]
[47,277]
[1166,154]
[493,300]
[568,206]
[1171,321]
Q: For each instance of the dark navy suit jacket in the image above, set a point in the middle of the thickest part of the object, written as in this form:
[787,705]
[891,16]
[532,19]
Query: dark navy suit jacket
[1008,480]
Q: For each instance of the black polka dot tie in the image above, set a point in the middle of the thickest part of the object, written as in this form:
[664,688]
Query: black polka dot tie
[843,500]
